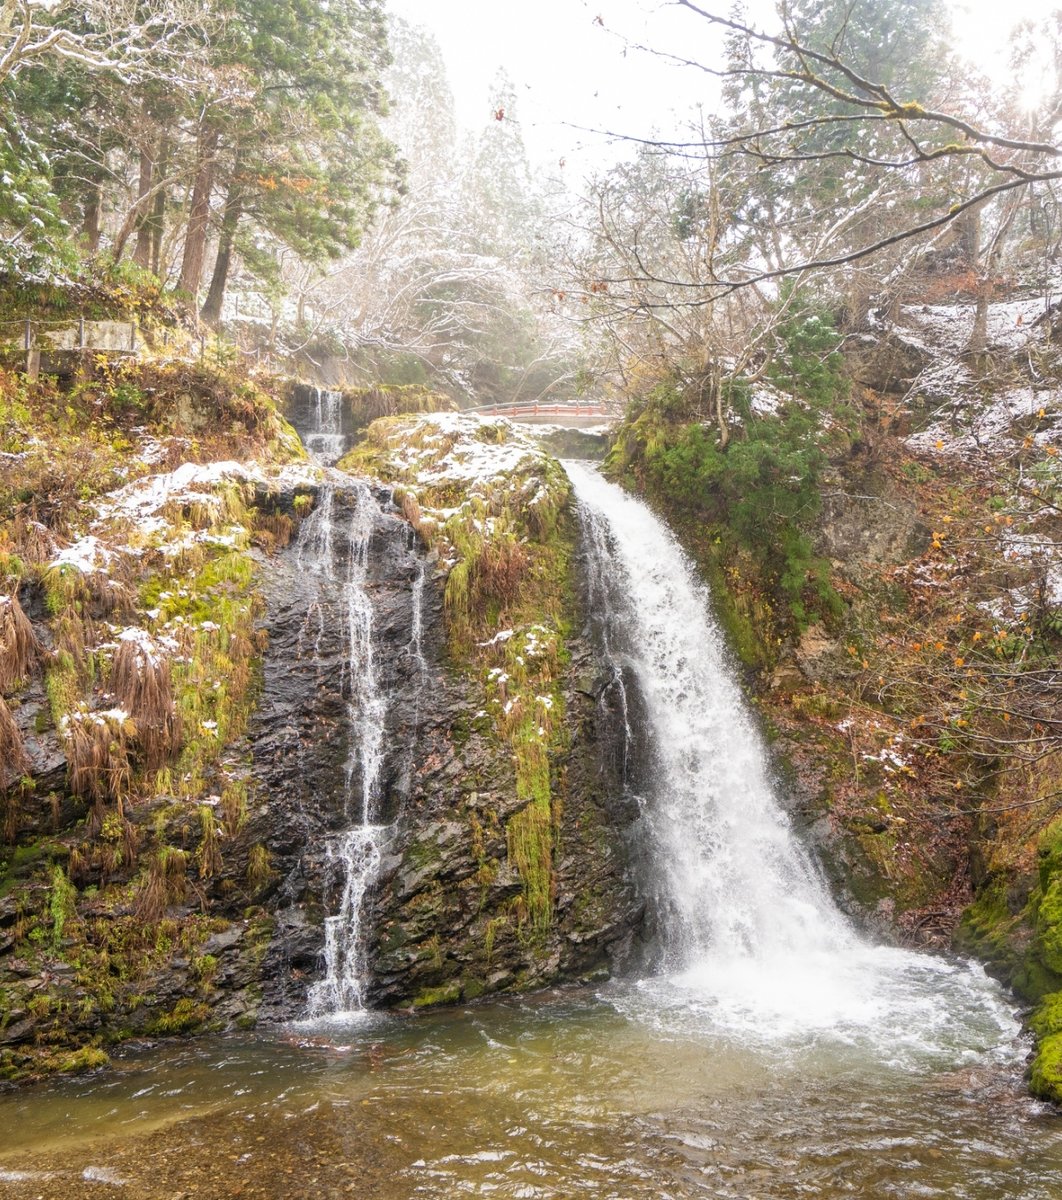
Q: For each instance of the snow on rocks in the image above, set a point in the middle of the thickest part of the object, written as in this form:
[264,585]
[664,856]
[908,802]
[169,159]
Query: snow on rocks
[947,328]
[976,425]
[143,501]
[463,448]
[87,555]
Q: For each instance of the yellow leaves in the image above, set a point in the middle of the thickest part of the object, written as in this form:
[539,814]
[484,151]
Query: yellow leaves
[939,647]
[960,662]
[852,651]
[977,636]
[940,444]
[1051,451]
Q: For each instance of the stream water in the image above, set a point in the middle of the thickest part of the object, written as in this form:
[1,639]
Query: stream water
[333,548]
[773,1054]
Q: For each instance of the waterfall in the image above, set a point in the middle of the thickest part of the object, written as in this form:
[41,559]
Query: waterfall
[751,939]
[333,547]
[325,439]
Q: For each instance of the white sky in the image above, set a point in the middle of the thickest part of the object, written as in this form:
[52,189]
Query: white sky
[568,69]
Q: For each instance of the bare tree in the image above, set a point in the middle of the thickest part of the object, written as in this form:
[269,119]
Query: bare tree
[127,37]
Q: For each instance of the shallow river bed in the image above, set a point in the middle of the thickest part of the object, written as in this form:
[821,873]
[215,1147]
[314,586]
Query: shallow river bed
[571,1094]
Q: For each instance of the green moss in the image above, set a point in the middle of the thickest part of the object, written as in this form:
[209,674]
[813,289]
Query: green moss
[1049,926]
[87,1058]
[1047,1019]
[448,993]
[1045,1079]
[62,901]
[509,540]
[186,1015]
[987,929]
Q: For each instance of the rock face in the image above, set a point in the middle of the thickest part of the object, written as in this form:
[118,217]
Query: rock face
[438,929]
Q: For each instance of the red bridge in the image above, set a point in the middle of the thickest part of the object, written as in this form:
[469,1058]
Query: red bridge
[577,412]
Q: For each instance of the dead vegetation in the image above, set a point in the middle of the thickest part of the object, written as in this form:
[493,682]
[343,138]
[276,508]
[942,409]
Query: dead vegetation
[13,760]
[19,647]
[165,884]
[141,681]
[98,746]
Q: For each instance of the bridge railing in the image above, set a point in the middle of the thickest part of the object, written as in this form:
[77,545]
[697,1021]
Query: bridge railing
[585,408]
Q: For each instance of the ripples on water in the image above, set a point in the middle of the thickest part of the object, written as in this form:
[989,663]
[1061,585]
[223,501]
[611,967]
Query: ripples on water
[571,1095]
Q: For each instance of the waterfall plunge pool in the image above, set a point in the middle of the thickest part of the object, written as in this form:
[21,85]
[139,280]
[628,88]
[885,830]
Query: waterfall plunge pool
[626,1091]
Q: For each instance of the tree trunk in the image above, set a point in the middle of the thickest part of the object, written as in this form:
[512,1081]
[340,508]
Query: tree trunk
[142,253]
[90,222]
[233,209]
[975,347]
[158,211]
[199,212]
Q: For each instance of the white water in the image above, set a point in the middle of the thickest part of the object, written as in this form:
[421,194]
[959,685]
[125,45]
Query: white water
[333,547]
[326,441]
[754,946]
[338,558]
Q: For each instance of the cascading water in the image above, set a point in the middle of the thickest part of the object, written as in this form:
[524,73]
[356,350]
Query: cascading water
[753,944]
[325,440]
[337,555]
[333,548]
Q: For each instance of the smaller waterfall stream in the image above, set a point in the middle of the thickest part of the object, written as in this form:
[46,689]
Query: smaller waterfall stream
[333,548]
[338,558]
[326,441]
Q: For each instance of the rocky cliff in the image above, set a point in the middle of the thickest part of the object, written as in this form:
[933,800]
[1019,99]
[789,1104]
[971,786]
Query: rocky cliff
[178,701]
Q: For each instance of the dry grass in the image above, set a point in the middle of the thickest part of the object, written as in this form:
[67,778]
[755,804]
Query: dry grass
[142,683]
[208,856]
[32,541]
[97,754]
[19,648]
[13,759]
[273,531]
[165,884]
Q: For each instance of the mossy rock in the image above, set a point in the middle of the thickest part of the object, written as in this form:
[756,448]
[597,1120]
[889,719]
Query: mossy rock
[1049,926]
[185,1016]
[448,993]
[1045,1079]
[1047,1020]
